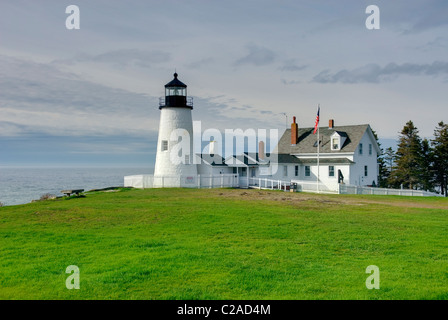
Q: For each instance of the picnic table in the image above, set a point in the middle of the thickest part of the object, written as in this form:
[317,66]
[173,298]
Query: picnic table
[72,191]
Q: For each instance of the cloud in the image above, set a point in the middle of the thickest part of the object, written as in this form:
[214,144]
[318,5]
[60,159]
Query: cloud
[226,113]
[435,16]
[258,56]
[291,65]
[38,97]
[289,82]
[199,63]
[12,129]
[121,58]
[373,73]
[292,68]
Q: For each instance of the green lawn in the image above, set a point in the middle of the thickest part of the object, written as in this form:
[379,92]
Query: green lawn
[225,244]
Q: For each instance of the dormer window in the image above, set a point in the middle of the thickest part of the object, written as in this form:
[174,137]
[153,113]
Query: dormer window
[335,143]
[337,140]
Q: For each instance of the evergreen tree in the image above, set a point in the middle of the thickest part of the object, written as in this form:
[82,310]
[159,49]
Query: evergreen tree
[389,162]
[408,158]
[382,170]
[440,145]
[427,167]
[389,158]
[383,173]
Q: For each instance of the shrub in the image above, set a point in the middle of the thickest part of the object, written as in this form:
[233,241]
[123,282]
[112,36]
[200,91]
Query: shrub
[47,196]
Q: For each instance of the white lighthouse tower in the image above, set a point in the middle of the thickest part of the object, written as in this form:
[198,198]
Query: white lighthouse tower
[174,159]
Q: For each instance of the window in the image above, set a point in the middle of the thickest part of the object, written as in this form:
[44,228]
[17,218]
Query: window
[243,172]
[335,144]
[285,171]
[307,171]
[252,172]
[175,91]
[296,171]
[331,171]
[370,149]
[360,148]
[164,145]
[365,171]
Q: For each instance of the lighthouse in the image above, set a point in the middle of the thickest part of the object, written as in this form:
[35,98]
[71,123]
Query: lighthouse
[174,156]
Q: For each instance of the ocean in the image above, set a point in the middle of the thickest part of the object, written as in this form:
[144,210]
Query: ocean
[19,185]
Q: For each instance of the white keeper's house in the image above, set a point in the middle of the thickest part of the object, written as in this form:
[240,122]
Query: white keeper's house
[347,155]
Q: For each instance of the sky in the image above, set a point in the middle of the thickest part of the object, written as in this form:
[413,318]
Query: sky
[89,97]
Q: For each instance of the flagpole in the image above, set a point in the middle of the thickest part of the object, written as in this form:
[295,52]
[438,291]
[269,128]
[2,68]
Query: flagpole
[316,128]
[318,151]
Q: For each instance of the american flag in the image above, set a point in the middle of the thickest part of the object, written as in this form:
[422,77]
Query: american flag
[317,120]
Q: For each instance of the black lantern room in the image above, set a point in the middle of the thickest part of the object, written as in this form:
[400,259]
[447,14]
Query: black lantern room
[176,95]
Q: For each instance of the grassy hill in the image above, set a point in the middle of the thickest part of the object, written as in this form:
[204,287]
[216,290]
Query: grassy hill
[225,244]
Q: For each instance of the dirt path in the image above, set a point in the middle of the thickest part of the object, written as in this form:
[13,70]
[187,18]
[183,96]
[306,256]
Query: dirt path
[254,194]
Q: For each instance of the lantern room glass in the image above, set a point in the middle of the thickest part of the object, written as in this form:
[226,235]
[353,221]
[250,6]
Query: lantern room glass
[176,91]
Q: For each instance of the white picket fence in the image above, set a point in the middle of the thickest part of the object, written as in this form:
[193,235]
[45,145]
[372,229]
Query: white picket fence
[188,181]
[312,186]
[275,184]
[235,181]
[350,189]
[264,183]
[335,188]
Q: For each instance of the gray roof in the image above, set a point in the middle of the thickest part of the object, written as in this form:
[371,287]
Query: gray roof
[244,158]
[307,140]
[269,157]
[287,158]
[326,161]
[341,133]
[213,160]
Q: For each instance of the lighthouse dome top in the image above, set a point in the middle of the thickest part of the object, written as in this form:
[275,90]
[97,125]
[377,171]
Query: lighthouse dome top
[175,83]
[176,95]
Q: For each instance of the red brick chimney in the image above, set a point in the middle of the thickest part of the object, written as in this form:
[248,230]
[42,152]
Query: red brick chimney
[294,131]
[331,124]
[261,154]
